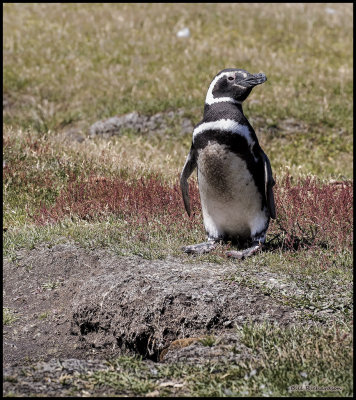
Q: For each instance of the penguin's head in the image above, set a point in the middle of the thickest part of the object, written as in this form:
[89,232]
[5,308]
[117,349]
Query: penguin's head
[233,85]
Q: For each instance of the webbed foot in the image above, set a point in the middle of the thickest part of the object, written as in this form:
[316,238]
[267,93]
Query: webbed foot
[200,248]
[255,247]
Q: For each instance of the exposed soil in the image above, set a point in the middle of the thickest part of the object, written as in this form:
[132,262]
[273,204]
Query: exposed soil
[76,304]
[72,302]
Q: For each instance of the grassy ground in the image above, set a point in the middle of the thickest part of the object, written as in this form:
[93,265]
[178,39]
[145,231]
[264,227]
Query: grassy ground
[287,357]
[69,65]
[282,362]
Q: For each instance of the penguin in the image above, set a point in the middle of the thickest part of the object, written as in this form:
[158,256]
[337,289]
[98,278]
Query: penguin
[234,174]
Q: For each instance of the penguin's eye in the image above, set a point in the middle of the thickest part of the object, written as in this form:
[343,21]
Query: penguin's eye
[230,78]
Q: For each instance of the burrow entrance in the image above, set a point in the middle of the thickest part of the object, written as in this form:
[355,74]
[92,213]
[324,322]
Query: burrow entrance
[91,303]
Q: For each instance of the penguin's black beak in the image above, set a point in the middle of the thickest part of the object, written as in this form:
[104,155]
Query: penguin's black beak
[260,78]
[254,80]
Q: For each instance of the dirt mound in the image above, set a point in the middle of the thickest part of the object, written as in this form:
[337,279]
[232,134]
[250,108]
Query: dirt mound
[77,303]
[143,305]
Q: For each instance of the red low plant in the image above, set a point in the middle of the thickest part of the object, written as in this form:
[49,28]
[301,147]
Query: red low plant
[144,199]
[309,213]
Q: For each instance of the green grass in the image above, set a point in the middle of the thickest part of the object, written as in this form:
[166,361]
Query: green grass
[279,359]
[50,285]
[208,340]
[315,282]
[8,316]
[44,315]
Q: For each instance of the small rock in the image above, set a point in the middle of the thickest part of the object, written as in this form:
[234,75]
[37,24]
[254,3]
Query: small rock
[183,33]
[253,372]
[171,383]
[151,125]
[155,393]
[156,123]
[228,392]
[113,125]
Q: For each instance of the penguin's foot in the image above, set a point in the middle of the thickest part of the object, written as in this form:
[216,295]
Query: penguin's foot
[200,248]
[256,246]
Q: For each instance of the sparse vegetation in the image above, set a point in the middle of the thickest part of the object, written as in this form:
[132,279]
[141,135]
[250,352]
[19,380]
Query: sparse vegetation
[208,340]
[44,315]
[281,358]
[51,285]
[286,357]
[8,316]
[68,65]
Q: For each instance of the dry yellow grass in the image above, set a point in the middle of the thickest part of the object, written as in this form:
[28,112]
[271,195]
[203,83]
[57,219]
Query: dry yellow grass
[72,64]
[90,55]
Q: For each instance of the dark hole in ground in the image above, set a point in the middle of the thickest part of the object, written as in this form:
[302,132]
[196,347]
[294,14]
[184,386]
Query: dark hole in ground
[111,306]
[144,346]
[89,327]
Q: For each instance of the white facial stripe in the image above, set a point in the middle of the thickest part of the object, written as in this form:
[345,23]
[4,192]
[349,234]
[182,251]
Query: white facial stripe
[243,74]
[226,125]
[209,96]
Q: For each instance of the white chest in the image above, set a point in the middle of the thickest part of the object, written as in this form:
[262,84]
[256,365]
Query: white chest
[231,202]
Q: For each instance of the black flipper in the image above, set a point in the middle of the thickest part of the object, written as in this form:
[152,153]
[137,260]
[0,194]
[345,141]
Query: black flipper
[188,168]
[269,183]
